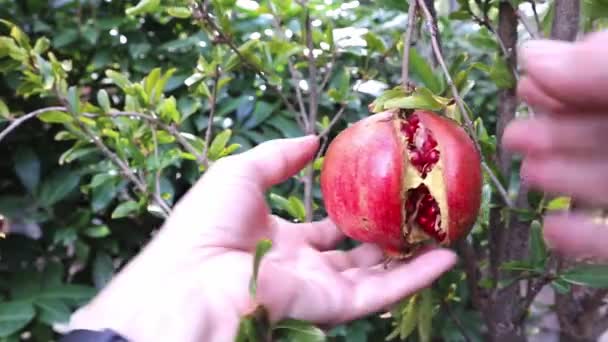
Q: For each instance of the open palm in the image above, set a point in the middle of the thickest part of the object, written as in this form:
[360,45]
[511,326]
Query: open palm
[203,256]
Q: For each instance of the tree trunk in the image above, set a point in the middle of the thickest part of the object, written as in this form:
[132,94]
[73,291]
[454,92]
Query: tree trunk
[506,243]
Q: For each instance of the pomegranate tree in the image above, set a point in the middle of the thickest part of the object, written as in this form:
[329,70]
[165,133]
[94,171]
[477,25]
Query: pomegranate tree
[401,179]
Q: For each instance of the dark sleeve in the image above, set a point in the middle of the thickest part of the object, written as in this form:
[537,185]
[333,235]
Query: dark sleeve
[93,336]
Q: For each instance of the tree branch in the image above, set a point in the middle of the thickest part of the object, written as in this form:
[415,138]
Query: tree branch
[203,16]
[212,103]
[20,120]
[407,41]
[333,121]
[313,107]
[459,100]
[292,70]
[534,33]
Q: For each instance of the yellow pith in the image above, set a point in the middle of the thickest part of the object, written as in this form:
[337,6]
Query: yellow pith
[434,181]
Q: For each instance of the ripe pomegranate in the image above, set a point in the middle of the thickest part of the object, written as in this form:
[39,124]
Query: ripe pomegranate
[402,179]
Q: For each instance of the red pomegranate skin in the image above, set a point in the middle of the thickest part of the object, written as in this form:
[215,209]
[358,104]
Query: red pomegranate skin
[461,170]
[363,186]
[361,179]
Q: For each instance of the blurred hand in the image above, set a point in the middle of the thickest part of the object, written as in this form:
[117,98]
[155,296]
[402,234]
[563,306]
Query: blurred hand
[191,282]
[565,145]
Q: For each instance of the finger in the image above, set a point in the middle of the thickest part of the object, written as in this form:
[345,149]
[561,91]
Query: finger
[269,163]
[578,177]
[535,97]
[375,289]
[322,235]
[565,135]
[574,73]
[364,255]
[576,236]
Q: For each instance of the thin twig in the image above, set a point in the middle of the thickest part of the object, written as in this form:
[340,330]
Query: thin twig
[460,102]
[20,120]
[524,20]
[472,271]
[205,18]
[333,121]
[158,170]
[123,166]
[212,103]
[407,41]
[330,69]
[536,18]
[313,107]
[292,70]
[455,319]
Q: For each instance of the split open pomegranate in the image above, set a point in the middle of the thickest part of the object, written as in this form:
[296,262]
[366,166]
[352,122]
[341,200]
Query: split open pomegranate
[401,179]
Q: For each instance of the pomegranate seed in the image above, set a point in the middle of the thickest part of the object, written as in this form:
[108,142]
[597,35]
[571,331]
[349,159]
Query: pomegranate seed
[416,158]
[429,144]
[432,157]
[432,211]
[414,120]
[422,220]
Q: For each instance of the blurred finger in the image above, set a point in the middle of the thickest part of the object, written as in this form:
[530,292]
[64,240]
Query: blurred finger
[374,289]
[578,177]
[576,236]
[569,135]
[575,73]
[364,255]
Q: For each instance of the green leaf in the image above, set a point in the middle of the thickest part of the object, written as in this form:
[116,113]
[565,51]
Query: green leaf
[262,247]
[125,209]
[409,319]
[538,250]
[58,186]
[27,167]
[218,144]
[42,45]
[103,270]
[518,265]
[421,68]
[4,111]
[74,100]
[561,286]
[558,203]
[75,293]
[119,79]
[144,6]
[595,276]
[103,100]
[14,316]
[97,232]
[425,315]
[422,98]
[55,117]
[179,12]
[460,15]
[296,208]
[168,110]
[102,195]
[300,331]
[374,43]
[53,311]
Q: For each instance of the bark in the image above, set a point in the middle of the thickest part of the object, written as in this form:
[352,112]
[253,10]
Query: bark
[566,20]
[506,243]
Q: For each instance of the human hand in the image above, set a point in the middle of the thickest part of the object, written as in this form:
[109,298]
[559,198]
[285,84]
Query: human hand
[191,282]
[564,147]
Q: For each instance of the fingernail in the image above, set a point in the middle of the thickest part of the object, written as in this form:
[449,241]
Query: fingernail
[552,55]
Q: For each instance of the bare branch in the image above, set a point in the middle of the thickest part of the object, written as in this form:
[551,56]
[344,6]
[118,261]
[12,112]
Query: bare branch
[407,41]
[472,271]
[536,18]
[20,120]
[313,107]
[330,69]
[158,171]
[293,71]
[212,104]
[333,121]
[460,101]
[534,33]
